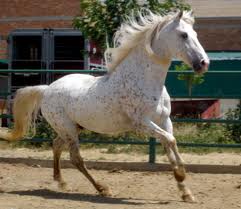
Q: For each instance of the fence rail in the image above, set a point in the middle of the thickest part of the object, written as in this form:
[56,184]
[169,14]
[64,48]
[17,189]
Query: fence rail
[104,71]
[152,142]
[64,71]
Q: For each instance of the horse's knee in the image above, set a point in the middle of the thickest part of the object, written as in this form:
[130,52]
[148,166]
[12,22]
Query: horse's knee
[168,140]
[172,141]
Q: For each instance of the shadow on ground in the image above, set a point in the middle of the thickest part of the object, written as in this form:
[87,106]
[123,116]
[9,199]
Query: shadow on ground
[49,194]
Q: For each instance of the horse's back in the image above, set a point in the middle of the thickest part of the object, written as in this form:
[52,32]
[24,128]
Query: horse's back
[74,80]
[59,92]
[57,97]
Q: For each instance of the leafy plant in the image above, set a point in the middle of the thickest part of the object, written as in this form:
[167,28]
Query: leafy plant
[99,19]
[234,128]
[44,130]
[191,79]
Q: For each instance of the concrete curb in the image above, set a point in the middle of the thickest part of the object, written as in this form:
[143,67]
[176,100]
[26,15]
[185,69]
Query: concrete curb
[128,166]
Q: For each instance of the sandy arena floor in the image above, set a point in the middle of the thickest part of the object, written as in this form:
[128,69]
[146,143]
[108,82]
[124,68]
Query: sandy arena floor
[26,187]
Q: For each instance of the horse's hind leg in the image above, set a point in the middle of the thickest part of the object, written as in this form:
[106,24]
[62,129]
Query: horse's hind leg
[68,132]
[58,145]
[77,160]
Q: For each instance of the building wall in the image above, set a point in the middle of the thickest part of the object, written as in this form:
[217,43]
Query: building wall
[219,33]
[215,8]
[26,8]
[34,14]
[215,33]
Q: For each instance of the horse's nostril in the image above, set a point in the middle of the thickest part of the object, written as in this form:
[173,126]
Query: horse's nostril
[203,63]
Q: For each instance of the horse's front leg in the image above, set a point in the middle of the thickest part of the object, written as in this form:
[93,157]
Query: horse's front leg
[179,170]
[148,127]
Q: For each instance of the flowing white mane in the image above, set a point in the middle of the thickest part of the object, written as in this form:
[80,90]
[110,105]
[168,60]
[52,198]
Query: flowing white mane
[133,31]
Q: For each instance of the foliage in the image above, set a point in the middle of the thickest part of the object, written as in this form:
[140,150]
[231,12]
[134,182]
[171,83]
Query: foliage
[100,19]
[202,133]
[184,132]
[205,133]
[190,78]
[44,130]
[234,128]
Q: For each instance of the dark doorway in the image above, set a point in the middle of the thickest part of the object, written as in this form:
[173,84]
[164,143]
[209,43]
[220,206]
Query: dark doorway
[27,54]
[68,53]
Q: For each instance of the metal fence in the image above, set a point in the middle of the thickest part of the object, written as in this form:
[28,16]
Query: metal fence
[152,142]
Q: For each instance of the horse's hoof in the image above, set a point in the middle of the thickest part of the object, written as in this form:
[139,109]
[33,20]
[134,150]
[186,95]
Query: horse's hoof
[106,193]
[62,186]
[104,190]
[188,198]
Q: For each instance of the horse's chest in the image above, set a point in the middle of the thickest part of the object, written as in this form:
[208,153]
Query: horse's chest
[139,97]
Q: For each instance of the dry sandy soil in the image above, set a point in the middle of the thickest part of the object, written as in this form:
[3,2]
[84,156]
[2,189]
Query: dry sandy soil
[30,187]
[102,155]
[24,187]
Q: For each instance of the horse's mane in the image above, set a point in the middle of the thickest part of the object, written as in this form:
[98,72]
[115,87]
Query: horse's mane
[133,30]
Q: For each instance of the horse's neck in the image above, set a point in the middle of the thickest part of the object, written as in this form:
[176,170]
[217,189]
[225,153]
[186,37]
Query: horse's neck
[139,65]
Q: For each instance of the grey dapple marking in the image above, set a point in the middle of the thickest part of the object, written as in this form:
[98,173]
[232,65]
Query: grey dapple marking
[131,97]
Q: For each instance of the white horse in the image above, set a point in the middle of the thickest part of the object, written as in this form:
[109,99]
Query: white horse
[131,97]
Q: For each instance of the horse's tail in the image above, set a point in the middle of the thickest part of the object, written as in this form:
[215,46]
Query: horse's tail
[25,108]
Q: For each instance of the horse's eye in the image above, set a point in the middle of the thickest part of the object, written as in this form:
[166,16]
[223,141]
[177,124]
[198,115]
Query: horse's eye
[184,36]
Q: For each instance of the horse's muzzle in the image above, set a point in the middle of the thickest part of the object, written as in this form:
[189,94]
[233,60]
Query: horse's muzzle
[201,66]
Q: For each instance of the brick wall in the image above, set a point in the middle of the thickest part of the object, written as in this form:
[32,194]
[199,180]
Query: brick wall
[15,8]
[214,33]
[221,33]
[34,14]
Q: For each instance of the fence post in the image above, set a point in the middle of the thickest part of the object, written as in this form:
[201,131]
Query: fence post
[152,150]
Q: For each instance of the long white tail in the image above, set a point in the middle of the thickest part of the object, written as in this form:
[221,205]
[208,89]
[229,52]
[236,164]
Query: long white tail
[25,109]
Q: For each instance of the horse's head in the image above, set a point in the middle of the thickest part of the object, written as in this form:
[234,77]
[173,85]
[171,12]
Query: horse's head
[178,40]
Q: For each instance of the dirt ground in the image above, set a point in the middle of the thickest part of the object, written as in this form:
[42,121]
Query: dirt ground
[25,187]
[30,187]
[101,155]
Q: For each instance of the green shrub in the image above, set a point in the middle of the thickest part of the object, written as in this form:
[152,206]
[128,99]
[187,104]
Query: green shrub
[44,130]
[184,132]
[234,129]
[202,133]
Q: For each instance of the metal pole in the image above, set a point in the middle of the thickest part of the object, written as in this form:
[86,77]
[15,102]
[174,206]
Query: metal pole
[152,150]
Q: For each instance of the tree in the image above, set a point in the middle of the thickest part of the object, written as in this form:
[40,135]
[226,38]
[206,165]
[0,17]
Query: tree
[191,79]
[100,19]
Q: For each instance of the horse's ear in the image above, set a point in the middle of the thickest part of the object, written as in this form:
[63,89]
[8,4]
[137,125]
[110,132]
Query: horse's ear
[179,15]
[191,13]
[189,17]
